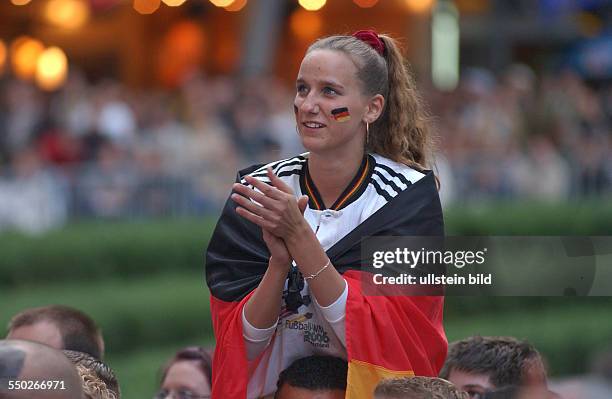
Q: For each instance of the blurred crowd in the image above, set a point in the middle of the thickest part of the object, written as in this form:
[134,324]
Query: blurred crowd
[107,151]
[517,136]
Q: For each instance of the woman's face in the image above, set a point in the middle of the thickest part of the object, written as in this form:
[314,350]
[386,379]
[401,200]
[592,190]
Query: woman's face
[327,81]
[186,376]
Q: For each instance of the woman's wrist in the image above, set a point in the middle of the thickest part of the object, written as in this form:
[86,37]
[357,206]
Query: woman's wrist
[298,234]
[282,264]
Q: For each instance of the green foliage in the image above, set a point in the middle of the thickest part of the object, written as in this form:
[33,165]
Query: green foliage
[584,218]
[103,250]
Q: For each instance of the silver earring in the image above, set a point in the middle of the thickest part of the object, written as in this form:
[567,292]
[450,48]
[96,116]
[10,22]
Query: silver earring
[367,133]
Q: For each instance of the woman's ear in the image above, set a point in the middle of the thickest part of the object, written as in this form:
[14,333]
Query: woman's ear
[375,108]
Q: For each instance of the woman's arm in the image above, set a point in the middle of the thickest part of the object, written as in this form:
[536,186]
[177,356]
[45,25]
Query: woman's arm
[263,307]
[261,312]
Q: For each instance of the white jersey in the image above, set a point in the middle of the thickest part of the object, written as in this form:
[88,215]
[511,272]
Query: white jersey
[313,329]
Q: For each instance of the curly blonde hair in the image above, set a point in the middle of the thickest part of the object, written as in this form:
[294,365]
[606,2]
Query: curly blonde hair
[418,388]
[98,380]
[93,386]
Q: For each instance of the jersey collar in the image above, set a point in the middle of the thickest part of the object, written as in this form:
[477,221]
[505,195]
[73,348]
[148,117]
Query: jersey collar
[353,190]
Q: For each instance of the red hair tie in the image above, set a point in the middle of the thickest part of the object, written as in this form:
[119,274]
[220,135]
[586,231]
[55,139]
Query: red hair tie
[370,37]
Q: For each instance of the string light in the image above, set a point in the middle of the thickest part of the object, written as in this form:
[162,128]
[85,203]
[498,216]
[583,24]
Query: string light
[365,3]
[51,69]
[146,6]
[419,6]
[20,2]
[173,3]
[24,55]
[237,5]
[222,3]
[2,55]
[312,5]
[69,14]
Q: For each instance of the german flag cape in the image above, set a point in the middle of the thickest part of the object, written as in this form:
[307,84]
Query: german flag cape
[386,336]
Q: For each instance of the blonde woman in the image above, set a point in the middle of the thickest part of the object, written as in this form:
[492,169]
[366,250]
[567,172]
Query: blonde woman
[283,265]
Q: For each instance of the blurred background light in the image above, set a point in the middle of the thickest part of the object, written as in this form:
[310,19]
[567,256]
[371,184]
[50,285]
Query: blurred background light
[146,6]
[181,52]
[69,14]
[589,24]
[305,25]
[222,3]
[24,54]
[236,5]
[473,6]
[445,46]
[2,56]
[365,3]
[419,6]
[312,5]
[20,2]
[51,69]
[173,3]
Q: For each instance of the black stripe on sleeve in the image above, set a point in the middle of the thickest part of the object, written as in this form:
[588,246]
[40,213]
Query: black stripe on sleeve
[393,173]
[389,183]
[380,191]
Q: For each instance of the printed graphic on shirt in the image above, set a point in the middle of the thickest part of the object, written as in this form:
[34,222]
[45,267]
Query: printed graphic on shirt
[313,333]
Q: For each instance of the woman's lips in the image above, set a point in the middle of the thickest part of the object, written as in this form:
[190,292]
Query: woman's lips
[313,125]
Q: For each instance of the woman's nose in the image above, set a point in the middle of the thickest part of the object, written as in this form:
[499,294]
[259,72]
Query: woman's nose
[310,105]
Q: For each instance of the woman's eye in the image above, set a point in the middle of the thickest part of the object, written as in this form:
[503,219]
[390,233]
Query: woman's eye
[301,88]
[329,91]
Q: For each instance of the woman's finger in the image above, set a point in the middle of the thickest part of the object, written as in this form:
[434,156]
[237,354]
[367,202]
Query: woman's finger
[255,195]
[258,220]
[265,188]
[278,183]
[252,207]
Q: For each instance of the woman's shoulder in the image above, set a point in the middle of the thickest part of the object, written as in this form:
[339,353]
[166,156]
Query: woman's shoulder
[391,169]
[282,168]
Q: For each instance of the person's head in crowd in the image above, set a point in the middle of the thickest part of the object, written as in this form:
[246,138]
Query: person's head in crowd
[477,364]
[24,361]
[59,327]
[98,380]
[313,377]
[188,375]
[417,388]
[518,392]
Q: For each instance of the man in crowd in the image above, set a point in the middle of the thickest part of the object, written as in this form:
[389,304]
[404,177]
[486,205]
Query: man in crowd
[313,377]
[479,364]
[24,363]
[59,327]
[417,388]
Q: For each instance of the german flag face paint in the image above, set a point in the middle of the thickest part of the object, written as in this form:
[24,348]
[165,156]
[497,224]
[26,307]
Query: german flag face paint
[341,114]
